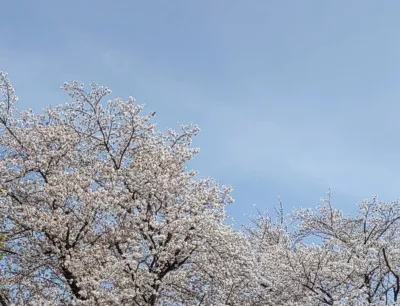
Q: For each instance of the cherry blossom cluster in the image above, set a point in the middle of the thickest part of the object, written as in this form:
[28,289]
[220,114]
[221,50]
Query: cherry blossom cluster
[97,207]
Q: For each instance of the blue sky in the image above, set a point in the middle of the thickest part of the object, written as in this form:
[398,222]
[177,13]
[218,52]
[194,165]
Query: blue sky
[292,96]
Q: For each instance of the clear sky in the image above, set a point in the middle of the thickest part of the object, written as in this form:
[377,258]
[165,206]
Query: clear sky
[292,96]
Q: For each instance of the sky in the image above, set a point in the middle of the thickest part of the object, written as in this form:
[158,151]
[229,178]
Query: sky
[292,97]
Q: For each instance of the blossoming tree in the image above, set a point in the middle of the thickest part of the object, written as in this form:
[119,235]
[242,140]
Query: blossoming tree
[327,258]
[99,209]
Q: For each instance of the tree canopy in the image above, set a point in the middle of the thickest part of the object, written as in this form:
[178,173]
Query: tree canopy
[97,207]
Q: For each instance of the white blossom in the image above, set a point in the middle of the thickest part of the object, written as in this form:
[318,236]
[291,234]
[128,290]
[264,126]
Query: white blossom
[97,208]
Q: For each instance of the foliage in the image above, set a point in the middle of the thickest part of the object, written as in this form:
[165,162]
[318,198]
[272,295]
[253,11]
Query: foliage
[97,208]
[356,262]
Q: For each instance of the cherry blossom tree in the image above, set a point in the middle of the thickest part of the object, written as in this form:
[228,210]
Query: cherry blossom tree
[358,258]
[273,246]
[326,258]
[99,209]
